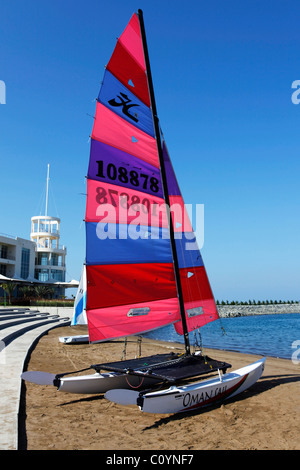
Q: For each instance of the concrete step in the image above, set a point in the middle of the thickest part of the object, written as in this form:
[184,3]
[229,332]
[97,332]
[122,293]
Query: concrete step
[16,340]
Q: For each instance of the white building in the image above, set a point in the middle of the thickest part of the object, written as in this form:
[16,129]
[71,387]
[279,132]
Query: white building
[17,257]
[50,259]
[40,259]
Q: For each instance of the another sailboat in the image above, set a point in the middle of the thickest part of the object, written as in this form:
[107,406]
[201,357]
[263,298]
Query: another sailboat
[143,267]
[79,314]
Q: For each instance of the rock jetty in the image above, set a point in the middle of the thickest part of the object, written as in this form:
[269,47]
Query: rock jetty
[226,311]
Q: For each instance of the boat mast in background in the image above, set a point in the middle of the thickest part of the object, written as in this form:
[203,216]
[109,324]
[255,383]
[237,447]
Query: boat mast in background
[47,190]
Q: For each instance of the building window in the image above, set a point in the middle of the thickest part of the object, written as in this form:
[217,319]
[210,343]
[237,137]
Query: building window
[42,259]
[44,228]
[3,269]
[25,263]
[54,259]
[3,251]
[57,275]
[42,274]
[54,228]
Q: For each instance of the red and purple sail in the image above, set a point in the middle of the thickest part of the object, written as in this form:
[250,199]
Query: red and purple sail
[131,284]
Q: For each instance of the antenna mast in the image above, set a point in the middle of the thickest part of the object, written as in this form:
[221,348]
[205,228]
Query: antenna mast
[47,190]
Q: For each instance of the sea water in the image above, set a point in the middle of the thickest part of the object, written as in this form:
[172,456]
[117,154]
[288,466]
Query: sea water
[267,335]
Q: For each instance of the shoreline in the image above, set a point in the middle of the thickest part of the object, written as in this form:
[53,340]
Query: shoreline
[263,417]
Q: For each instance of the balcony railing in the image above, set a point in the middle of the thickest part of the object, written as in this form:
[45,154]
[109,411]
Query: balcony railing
[45,230]
[4,256]
[59,265]
[49,246]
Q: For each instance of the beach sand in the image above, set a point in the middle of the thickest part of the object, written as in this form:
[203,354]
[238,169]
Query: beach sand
[267,416]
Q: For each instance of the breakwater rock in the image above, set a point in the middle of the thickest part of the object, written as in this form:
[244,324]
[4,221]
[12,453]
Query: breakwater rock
[226,311]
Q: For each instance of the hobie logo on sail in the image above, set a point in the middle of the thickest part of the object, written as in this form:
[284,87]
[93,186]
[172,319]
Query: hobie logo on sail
[126,104]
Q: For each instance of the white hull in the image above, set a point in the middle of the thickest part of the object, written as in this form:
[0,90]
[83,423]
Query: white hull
[74,339]
[193,396]
[101,383]
[89,384]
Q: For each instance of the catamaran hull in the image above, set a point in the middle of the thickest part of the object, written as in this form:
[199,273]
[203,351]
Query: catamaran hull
[79,339]
[101,383]
[128,375]
[90,384]
[194,396]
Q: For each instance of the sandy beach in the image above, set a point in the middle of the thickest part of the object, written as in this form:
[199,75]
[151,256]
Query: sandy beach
[265,417]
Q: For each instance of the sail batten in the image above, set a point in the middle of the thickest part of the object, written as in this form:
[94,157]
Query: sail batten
[138,232]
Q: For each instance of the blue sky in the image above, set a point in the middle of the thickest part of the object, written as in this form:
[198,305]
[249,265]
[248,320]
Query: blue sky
[222,75]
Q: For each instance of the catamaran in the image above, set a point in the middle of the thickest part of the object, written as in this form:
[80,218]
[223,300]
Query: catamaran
[144,269]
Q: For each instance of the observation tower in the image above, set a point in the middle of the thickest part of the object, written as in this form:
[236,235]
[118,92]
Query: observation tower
[50,260]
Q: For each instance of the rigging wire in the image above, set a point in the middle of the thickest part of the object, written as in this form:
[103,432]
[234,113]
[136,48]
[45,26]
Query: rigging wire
[40,203]
[189,263]
[53,199]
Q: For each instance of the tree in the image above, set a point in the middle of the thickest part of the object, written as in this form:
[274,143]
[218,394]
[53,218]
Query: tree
[27,291]
[9,289]
[43,292]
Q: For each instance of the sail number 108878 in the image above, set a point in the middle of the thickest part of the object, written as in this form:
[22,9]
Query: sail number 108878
[121,174]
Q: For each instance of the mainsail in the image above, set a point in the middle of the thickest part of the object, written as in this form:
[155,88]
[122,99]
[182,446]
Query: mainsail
[143,271]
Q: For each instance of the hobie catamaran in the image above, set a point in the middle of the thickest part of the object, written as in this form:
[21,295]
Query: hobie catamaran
[143,266]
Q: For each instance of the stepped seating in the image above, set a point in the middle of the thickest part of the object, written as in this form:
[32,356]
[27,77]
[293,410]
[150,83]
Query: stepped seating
[19,329]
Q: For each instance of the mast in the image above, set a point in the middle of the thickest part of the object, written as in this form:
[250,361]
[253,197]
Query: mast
[46,210]
[164,183]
